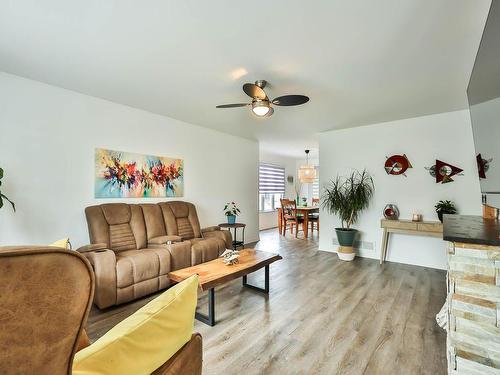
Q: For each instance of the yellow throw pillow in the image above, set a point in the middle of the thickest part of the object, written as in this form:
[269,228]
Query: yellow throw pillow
[147,339]
[64,243]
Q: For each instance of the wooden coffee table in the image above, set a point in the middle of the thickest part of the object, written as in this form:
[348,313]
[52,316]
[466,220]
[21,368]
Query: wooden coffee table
[215,273]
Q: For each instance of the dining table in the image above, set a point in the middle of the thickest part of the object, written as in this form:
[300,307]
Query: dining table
[301,210]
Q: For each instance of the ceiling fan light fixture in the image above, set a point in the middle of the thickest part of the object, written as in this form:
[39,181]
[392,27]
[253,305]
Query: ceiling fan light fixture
[260,108]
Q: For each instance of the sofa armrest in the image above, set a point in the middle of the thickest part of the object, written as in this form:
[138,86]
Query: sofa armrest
[92,247]
[187,361]
[104,264]
[223,235]
[164,240]
[180,254]
[210,229]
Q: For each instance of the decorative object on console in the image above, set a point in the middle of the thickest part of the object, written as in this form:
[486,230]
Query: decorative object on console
[231,211]
[416,218]
[2,196]
[290,179]
[483,165]
[347,197]
[127,175]
[397,165]
[445,207]
[391,212]
[230,257]
[307,173]
[443,172]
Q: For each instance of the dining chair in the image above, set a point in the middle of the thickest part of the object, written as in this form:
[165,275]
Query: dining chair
[313,218]
[290,217]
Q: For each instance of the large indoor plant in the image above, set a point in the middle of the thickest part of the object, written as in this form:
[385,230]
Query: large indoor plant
[346,197]
[2,196]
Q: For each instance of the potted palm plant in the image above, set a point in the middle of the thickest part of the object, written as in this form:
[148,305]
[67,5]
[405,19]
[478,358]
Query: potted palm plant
[346,197]
[2,196]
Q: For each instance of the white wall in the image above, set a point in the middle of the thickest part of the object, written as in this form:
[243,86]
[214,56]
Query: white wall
[47,141]
[270,219]
[446,136]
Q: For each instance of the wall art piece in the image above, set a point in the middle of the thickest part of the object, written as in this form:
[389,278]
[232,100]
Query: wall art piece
[121,174]
[443,172]
[482,165]
[397,164]
[391,212]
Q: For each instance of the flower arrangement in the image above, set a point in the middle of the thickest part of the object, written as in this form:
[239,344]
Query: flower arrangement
[231,209]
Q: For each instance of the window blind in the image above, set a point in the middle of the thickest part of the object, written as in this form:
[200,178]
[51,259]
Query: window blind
[271,178]
[315,187]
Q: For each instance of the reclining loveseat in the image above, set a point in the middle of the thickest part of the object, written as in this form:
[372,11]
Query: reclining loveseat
[133,247]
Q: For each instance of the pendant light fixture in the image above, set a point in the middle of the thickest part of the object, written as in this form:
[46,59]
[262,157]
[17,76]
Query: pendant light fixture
[307,173]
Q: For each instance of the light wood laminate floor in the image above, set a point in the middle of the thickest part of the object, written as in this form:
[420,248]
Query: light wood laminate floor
[322,316]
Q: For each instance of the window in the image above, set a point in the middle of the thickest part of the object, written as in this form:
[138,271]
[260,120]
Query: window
[315,185]
[271,186]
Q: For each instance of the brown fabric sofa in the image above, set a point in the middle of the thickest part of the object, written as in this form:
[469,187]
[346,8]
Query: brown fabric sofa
[45,296]
[134,247]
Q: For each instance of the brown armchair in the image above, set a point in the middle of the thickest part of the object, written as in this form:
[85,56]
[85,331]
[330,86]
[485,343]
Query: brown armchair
[45,297]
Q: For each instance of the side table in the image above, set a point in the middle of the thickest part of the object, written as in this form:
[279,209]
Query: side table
[235,226]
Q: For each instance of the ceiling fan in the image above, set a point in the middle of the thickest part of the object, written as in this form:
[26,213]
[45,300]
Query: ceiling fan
[261,105]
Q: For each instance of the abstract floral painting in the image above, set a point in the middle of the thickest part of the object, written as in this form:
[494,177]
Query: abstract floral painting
[121,174]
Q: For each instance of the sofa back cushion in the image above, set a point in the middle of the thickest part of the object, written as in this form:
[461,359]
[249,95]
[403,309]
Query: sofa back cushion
[181,219]
[153,218]
[119,225]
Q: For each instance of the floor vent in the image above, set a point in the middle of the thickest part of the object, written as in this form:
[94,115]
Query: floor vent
[365,245]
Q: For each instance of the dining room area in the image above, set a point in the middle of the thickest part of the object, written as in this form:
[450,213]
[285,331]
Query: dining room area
[289,195]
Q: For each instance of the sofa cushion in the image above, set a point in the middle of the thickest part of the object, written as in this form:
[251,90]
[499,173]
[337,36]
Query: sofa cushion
[134,266]
[147,339]
[184,228]
[116,213]
[121,237]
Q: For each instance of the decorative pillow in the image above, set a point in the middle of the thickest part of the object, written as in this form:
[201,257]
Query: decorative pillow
[147,339]
[63,243]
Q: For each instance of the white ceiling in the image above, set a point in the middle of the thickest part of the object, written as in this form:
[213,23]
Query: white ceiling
[360,61]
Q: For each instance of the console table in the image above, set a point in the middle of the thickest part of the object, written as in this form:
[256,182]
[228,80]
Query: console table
[416,228]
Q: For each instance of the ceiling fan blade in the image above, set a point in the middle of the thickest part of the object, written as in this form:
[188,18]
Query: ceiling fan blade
[288,100]
[254,91]
[232,105]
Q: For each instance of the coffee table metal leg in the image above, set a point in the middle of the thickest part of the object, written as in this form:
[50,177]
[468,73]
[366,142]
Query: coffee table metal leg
[266,282]
[210,318]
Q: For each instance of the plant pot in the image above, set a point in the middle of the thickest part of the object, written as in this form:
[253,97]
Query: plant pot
[441,213]
[231,219]
[346,240]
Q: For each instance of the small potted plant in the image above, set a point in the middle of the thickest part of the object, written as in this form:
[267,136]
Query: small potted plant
[347,197]
[231,211]
[445,207]
[2,196]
